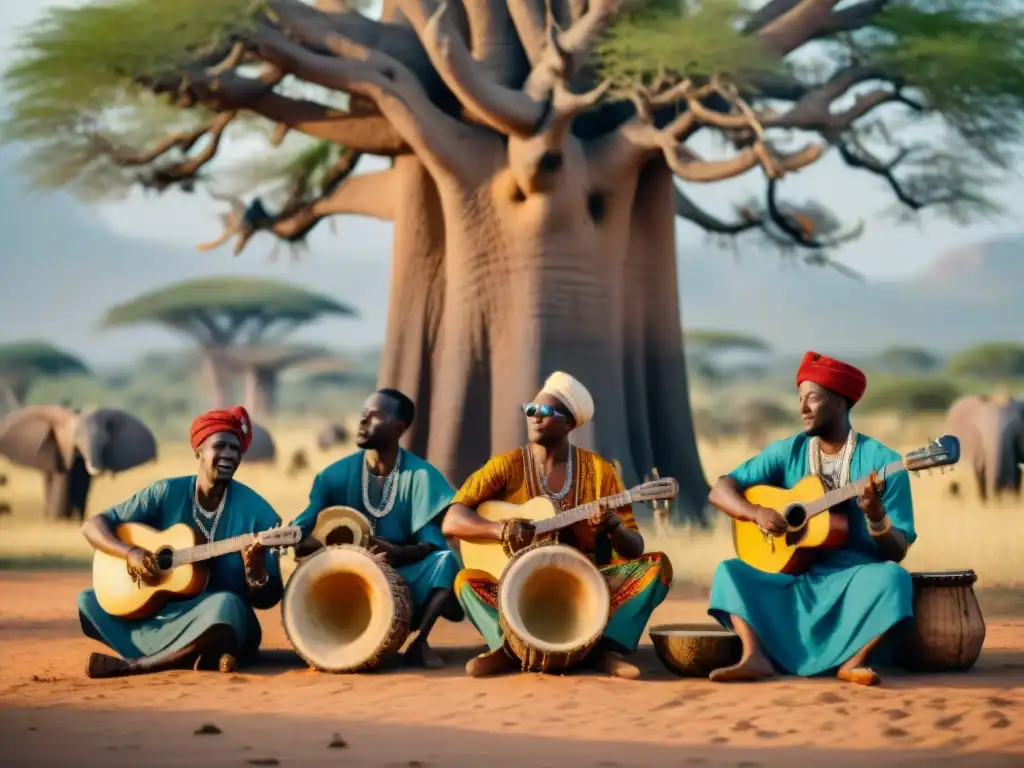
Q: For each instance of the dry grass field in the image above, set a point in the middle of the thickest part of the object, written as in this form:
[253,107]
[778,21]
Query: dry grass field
[954,533]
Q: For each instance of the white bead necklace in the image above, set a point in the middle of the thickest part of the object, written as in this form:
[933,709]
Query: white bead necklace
[389,491]
[199,511]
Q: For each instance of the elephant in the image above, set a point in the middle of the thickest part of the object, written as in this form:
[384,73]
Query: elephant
[991,433]
[70,447]
[331,435]
[262,449]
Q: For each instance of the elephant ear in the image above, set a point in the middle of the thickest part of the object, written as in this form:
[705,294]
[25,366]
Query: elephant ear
[36,437]
[114,440]
[262,448]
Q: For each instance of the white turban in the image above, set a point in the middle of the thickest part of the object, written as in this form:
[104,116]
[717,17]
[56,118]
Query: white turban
[573,395]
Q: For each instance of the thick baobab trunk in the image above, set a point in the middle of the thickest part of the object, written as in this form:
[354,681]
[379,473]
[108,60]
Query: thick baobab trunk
[416,296]
[659,398]
[533,285]
[217,370]
[260,387]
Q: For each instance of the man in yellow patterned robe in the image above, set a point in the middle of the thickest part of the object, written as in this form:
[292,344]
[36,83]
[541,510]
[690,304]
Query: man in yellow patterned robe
[610,537]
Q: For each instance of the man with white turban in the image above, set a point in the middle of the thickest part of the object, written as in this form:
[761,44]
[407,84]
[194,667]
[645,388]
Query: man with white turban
[569,477]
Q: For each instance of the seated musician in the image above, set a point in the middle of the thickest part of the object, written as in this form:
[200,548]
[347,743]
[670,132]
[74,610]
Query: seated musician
[569,476]
[833,616]
[402,496]
[219,627]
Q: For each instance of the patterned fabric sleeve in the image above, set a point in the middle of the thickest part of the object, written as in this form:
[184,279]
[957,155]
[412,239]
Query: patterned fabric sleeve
[490,482]
[611,484]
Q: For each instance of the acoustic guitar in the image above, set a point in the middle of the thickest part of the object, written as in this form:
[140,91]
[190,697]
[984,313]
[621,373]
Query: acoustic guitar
[180,557]
[807,508]
[489,556]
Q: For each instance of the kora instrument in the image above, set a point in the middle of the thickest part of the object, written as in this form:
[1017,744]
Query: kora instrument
[553,606]
[346,610]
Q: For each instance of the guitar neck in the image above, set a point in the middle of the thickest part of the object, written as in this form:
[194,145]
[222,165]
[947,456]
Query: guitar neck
[212,549]
[581,513]
[848,491]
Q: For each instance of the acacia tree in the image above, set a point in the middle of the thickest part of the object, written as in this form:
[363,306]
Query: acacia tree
[533,148]
[237,322]
[22,362]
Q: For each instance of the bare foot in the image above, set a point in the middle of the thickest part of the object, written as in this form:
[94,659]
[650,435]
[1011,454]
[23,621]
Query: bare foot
[747,670]
[859,674]
[420,654]
[493,662]
[612,663]
[103,665]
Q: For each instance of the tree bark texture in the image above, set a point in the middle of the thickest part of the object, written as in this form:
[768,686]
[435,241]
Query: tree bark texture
[260,388]
[217,372]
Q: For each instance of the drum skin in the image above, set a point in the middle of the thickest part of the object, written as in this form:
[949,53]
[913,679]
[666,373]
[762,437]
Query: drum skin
[345,610]
[553,606]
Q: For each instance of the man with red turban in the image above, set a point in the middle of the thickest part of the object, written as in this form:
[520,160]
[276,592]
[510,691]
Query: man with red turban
[830,618]
[219,626]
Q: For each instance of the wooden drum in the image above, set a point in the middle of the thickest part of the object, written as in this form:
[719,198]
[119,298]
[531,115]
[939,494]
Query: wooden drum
[346,610]
[553,606]
[948,629]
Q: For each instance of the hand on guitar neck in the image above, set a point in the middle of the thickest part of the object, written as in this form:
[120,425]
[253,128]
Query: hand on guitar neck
[869,500]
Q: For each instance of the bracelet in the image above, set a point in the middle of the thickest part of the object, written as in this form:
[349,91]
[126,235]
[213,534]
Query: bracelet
[880,528]
[253,582]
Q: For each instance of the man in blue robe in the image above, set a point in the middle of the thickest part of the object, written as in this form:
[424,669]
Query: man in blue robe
[833,616]
[403,497]
[217,628]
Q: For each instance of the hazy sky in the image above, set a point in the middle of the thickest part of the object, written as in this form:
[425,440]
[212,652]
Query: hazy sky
[177,221]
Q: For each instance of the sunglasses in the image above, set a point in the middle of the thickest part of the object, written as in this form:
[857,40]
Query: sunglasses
[542,410]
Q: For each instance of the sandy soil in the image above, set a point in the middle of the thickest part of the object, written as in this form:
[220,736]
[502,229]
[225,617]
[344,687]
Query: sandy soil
[284,714]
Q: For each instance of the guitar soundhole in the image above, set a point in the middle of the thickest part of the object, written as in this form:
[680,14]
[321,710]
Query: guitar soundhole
[796,516]
[164,558]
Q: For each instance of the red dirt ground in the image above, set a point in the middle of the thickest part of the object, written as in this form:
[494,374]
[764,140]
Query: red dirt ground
[282,713]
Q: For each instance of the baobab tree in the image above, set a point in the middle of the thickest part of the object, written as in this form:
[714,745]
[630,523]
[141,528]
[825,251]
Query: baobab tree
[238,324]
[533,147]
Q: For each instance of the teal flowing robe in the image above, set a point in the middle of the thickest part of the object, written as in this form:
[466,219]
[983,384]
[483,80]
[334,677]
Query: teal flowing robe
[226,599]
[423,494]
[814,622]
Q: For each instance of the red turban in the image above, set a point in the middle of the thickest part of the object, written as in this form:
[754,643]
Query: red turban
[235,420]
[832,374]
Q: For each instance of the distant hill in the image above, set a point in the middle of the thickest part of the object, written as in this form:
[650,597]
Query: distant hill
[62,268]
[968,296]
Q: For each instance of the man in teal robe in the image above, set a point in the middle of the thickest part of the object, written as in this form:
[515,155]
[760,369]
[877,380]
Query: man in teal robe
[403,497]
[833,616]
[219,626]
